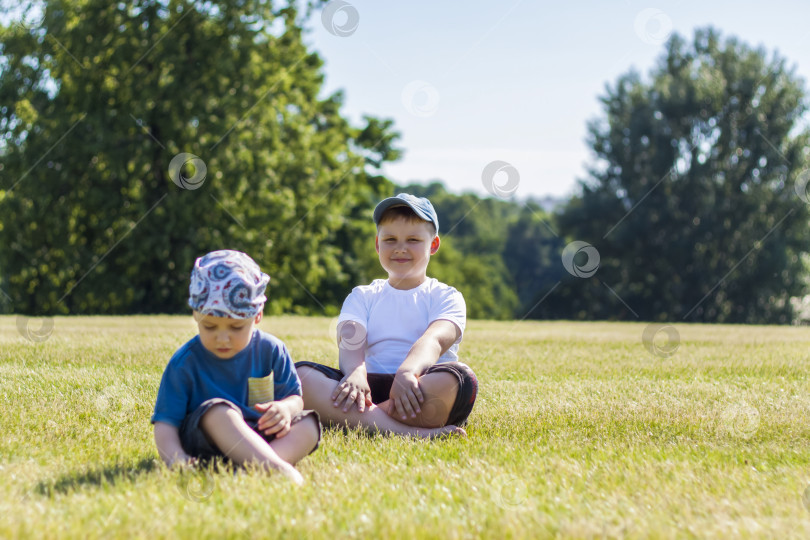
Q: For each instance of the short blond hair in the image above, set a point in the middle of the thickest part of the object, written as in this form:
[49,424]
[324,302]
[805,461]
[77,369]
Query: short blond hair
[404,212]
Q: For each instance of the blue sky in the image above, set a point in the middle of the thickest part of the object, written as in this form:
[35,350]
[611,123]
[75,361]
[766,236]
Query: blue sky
[468,83]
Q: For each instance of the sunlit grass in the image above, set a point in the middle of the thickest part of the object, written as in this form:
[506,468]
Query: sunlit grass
[579,432]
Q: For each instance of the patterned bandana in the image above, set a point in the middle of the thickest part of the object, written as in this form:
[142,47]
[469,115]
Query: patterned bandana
[227,283]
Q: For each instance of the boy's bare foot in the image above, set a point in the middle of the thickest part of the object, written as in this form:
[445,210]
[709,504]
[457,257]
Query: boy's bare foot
[294,476]
[454,430]
[277,467]
[289,472]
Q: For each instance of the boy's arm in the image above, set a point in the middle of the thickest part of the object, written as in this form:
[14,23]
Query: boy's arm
[437,339]
[276,415]
[167,440]
[353,389]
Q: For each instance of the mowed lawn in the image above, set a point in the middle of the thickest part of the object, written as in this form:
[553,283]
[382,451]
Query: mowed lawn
[579,432]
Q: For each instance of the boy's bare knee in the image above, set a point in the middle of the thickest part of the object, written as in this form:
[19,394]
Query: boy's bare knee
[310,429]
[304,369]
[306,374]
[314,386]
[440,391]
[309,374]
[216,413]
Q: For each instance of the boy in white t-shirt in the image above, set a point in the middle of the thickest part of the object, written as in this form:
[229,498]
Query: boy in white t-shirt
[398,339]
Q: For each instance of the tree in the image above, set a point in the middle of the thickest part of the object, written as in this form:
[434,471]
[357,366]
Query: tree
[136,136]
[532,254]
[691,202]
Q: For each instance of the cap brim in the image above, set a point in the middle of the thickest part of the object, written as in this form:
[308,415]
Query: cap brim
[391,202]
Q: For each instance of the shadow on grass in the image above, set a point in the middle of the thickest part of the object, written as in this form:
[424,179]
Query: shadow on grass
[98,477]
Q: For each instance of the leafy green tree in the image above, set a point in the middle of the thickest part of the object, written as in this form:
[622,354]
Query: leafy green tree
[98,102]
[532,254]
[691,201]
[355,238]
[482,279]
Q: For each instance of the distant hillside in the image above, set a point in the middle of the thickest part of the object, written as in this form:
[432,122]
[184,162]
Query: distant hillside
[549,203]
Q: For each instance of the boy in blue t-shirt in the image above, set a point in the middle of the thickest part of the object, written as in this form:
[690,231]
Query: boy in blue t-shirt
[232,390]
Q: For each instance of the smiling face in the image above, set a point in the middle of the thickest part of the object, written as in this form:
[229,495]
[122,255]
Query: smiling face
[225,337]
[405,246]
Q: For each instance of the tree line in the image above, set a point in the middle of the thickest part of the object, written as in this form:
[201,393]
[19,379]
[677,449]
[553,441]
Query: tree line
[125,155]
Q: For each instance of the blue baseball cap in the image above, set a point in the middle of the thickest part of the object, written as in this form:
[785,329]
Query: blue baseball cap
[420,205]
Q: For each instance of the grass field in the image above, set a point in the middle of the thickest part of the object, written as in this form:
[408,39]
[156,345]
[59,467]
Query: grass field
[579,432]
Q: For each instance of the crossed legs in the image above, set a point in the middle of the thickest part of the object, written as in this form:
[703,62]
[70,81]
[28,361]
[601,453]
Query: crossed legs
[439,390]
[226,428]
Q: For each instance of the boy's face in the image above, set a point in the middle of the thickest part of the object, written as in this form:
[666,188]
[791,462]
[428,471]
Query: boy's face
[225,337]
[405,248]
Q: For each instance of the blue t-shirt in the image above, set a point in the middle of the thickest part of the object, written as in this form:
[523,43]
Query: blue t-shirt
[193,375]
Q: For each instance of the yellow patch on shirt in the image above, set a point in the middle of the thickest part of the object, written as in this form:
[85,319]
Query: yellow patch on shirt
[260,389]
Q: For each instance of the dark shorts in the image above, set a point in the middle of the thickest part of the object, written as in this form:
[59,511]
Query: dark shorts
[196,444]
[380,385]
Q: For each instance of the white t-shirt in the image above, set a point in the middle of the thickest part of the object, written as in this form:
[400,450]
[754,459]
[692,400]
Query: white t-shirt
[394,319]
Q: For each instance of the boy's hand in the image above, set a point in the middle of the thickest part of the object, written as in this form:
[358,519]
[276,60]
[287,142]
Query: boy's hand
[353,389]
[276,419]
[406,394]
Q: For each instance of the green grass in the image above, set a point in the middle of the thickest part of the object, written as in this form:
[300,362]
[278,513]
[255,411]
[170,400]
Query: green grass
[578,432]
